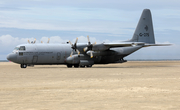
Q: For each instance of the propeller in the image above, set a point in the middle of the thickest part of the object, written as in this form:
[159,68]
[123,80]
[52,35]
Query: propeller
[74,47]
[48,40]
[89,47]
[32,42]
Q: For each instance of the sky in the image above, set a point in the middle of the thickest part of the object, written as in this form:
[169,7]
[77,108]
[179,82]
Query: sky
[103,20]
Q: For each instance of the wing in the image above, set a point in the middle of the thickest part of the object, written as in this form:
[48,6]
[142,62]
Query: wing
[147,45]
[123,44]
[128,44]
[106,46]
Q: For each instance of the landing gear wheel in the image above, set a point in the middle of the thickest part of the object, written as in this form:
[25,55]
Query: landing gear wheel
[82,66]
[76,66]
[69,65]
[23,65]
[89,66]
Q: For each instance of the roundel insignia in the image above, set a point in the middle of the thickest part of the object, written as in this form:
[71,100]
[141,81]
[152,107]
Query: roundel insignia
[146,28]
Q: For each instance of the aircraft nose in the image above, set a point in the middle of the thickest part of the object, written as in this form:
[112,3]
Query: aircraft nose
[12,57]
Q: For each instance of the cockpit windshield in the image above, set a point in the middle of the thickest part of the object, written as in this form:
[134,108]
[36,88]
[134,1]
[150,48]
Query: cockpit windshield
[16,48]
[20,48]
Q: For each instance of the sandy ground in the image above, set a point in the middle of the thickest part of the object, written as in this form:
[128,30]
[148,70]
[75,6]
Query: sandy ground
[128,86]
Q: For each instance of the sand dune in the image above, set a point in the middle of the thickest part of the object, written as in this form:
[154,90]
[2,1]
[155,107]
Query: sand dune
[145,85]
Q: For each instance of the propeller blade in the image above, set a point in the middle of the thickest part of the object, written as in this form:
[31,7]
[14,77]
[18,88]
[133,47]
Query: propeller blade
[71,53]
[34,41]
[77,51]
[91,54]
[88,39]
[85,49]
[70,43]
[48,40]
[28,41]
[41,41]
[94,43]
[76,40]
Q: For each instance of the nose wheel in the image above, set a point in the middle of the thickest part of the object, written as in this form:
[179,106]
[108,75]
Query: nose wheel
[23,65]
[89,66]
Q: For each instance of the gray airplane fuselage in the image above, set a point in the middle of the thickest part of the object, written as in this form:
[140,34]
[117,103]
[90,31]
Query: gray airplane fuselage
[45,54]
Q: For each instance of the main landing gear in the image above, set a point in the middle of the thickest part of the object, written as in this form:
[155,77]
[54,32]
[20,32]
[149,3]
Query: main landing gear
[69,65]
[23,65]
[77,66]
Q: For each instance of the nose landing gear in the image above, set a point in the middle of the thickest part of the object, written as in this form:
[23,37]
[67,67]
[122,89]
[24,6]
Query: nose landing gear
[23,65]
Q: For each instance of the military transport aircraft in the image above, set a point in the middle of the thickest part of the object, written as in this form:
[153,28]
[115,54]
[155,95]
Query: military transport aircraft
[88,54]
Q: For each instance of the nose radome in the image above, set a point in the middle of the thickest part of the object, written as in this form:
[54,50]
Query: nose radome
[12,57]
[7,57]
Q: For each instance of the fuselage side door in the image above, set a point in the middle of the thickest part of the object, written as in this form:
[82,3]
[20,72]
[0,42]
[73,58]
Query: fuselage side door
[35,59]
[58,56]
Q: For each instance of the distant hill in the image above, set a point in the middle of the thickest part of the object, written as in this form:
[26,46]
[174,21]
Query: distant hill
[4,61]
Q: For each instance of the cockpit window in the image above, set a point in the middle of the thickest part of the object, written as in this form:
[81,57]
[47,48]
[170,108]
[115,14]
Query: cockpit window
[22,48]
[16,48]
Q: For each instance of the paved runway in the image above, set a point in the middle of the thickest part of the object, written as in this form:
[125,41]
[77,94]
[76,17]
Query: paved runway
[143,85]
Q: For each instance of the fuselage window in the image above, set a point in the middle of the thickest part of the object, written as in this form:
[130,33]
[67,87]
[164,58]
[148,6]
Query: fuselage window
[22,48]
[20,53]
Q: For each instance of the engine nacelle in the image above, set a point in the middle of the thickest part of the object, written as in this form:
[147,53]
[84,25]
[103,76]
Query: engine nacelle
[74,59]
[80,59]
[97,53]
[100,53]
[99,47]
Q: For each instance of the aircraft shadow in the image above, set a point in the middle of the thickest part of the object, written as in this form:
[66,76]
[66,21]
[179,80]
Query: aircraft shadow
[98,67]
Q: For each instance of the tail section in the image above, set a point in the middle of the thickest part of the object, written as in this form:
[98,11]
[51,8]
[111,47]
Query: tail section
[144,31]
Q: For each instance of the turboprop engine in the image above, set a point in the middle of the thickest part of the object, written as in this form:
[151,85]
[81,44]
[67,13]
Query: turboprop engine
[81,59]
[97,53]
[93,47]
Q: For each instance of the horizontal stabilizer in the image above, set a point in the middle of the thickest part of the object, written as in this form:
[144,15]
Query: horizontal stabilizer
[148,45]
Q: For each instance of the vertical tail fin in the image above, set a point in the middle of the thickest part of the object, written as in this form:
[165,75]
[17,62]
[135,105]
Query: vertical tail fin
[144,31]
